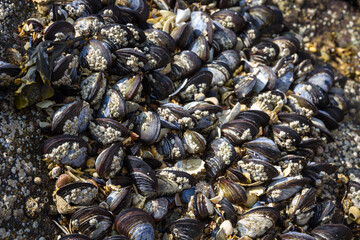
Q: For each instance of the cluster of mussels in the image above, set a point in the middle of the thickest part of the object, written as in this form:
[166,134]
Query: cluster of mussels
[186,120]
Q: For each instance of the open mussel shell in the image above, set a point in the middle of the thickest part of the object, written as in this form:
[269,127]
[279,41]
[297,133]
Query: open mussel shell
[107,130]
[239,131]
[193,166]
[229,19]
[232,191]
[59,31]
[173,181]
[75,236]
[263,148]
[200,206]
[259,170]
[92,221]
[157,208]
[171,147]
[93,88]
[160,86]
[136,224]
[160,39]
[70,196]
[119,199]
[72,118]
[113,105]
[285,188]
[332,232]
[142,175]
[96,56]
[220,154]
[148,127]
[110,161]
[186,229]
[194,142]
[296,235]
[64,72]
[197,84]
[66,149]
[257,221]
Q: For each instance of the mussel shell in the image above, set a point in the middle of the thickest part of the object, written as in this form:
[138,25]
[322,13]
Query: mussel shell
[136,224]
[200,46]
[240,130]
[143,176]
[287,45]
[186,229]
[285,188]
[158,57]
[117,237]
[160,86]
[96,56]
[130,87]
[285,137]
[161,39]
[113,105]
[93,88]
[107,130]
[332,232]
[257,221]
[148,127]
[171,147]
[228,210]
[194,142]
[82,221]
[75,194]
[72,118]
[173,181]
[75,236]
[220,154]
[268,169]
[301,105]
[88,25]
[201,206]
[131,59]
[183,35]
[120,199]
[323,213]
[202,24]
[185,64]
[66,149]
[259,117]
[62,27]
[244,86]
[64,72]
[198,83]
[263,148]
[221,72]
[231,58]
[229,19]
[157,208]
[232,191]
[110,161]
[296,235]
